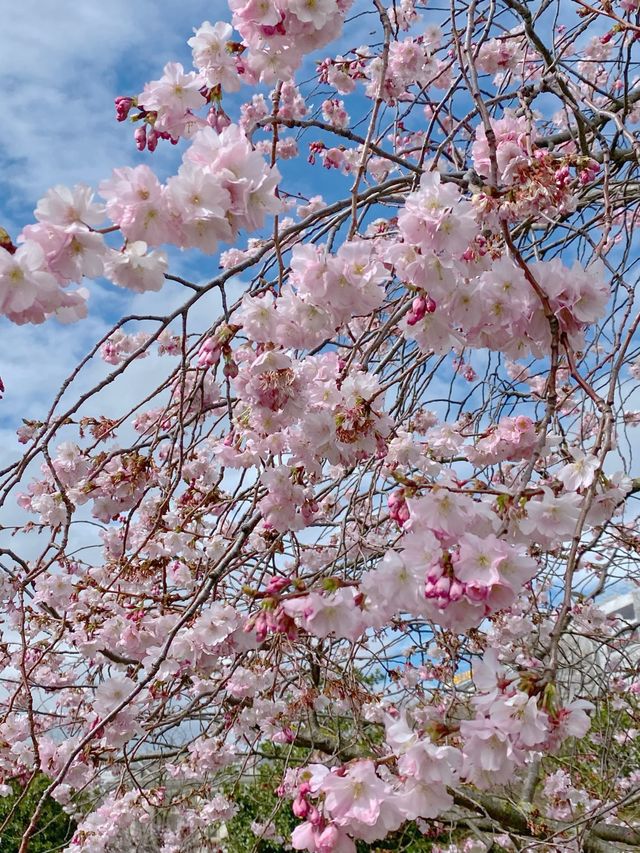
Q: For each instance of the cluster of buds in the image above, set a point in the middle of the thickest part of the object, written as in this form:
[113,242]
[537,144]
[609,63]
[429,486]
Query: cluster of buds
[146,136]
[123,107]
[441,588]
[301,807]
[332,158]
[314,149]
[213,348]
[218,119]
[479,248]
[323,836]
[341,73]
[588,172]
[421,306]
[398,509]
[464,369]
[272,619]
[444,588]
[562,177]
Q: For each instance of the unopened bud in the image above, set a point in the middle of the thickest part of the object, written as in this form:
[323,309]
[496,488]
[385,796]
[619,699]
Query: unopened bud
[152,140]
[140,137]
[123,106]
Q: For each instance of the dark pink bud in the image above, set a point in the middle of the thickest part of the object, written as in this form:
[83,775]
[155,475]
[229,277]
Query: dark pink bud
[456,591]
[300,807]
[140,137]
[230,369]
[398,509]
[276,585]
[419,308]
[442,588]
[123,106]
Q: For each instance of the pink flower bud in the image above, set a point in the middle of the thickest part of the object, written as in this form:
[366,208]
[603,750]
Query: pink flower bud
[261,626]
[314,817]
[123,107]
[442,588]
[300,807]
[419,307]
[276,585]
[435,573]
[328,838]
[230,369]
[476,591]
[140,137]
[456,591]
[398,509]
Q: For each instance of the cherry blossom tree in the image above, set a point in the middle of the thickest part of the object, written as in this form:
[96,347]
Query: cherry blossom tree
[359,520]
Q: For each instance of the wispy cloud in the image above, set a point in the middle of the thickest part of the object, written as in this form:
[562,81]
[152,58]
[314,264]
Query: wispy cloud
[61,65]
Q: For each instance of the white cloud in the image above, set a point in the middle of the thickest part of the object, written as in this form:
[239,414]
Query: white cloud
[61,65]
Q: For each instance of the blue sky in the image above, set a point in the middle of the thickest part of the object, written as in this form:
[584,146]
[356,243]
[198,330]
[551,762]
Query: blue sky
[61,66]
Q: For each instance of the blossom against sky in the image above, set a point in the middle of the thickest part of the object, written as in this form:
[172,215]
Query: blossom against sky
[61,66]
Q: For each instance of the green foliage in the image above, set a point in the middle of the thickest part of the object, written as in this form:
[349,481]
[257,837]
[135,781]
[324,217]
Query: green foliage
[55,827]
[610,750]
[257,801]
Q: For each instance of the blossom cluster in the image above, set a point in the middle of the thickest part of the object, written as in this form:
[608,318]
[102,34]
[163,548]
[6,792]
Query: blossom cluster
[222,187]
